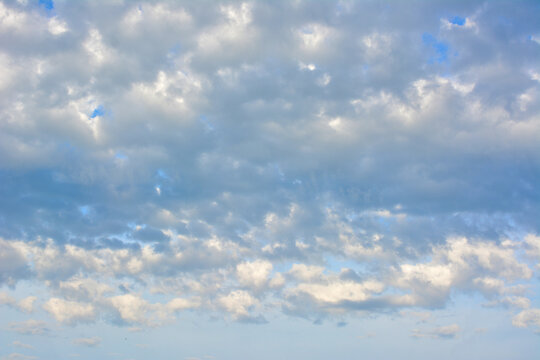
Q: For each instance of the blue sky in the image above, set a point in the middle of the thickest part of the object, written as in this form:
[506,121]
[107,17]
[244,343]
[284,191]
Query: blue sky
[271,180]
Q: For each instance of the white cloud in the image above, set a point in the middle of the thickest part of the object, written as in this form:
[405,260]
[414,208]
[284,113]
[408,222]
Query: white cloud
[340,291]
[70,312]
[80,288]
[96,48]
[527,318]
[324,80]
[457,264]
[5,299]
[310,67]
[27,304]
[442,332]
[30,327]
[235,30]
[132,308]
[305,272]
[314,36]
[89,342]
[533,247]
[11,18]
[56,26]
[178,304]
[152,15]
[377,45]
[254,274]
[230,149]
[238,303]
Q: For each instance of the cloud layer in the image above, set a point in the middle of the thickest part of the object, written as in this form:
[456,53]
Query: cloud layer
[321,160]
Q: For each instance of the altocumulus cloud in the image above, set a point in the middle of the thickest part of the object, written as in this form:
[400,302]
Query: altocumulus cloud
[323,160]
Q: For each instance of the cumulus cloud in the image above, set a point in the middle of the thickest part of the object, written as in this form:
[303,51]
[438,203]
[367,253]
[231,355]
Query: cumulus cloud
[25,305]
[13,263]
[100,283]
[528,318]
[460,264]
[254,274]
[238,303]
[165,157]
[70,312]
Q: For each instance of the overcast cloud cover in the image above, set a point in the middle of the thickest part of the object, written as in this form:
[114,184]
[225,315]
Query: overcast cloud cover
[270,180]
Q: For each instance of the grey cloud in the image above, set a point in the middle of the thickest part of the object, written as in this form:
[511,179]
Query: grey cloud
[13,264]
[89,342]
[22,345]
[30,327]
[287,133]
[293,132]
[18,356]
[442,332]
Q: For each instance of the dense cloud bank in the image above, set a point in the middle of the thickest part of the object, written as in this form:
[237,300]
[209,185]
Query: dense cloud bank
[321,159]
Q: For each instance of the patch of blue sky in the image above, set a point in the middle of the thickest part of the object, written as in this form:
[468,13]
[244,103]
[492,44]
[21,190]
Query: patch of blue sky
[365,68]
[340,8]
[458,20]
[282,267]
[278,171]
[99,111]
[534,38]
[135,226]
[84,210]
[428,39]
[308,30]
[385,222]
[336,264]
[162,174]
[207,124]
[120,156]
[172,55]
[67,147]
[503,20]
[174,50]
[47,4]
[441,49]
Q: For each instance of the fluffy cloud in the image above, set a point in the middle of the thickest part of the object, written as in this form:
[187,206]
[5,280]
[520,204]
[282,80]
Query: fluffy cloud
[238,303]
[70,312]
[165,157]
[526,318]
[25,305]
[254,274]
[460,264]
[13,263]
[103,283]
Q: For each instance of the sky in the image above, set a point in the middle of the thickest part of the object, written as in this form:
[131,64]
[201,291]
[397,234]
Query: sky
[269,180]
